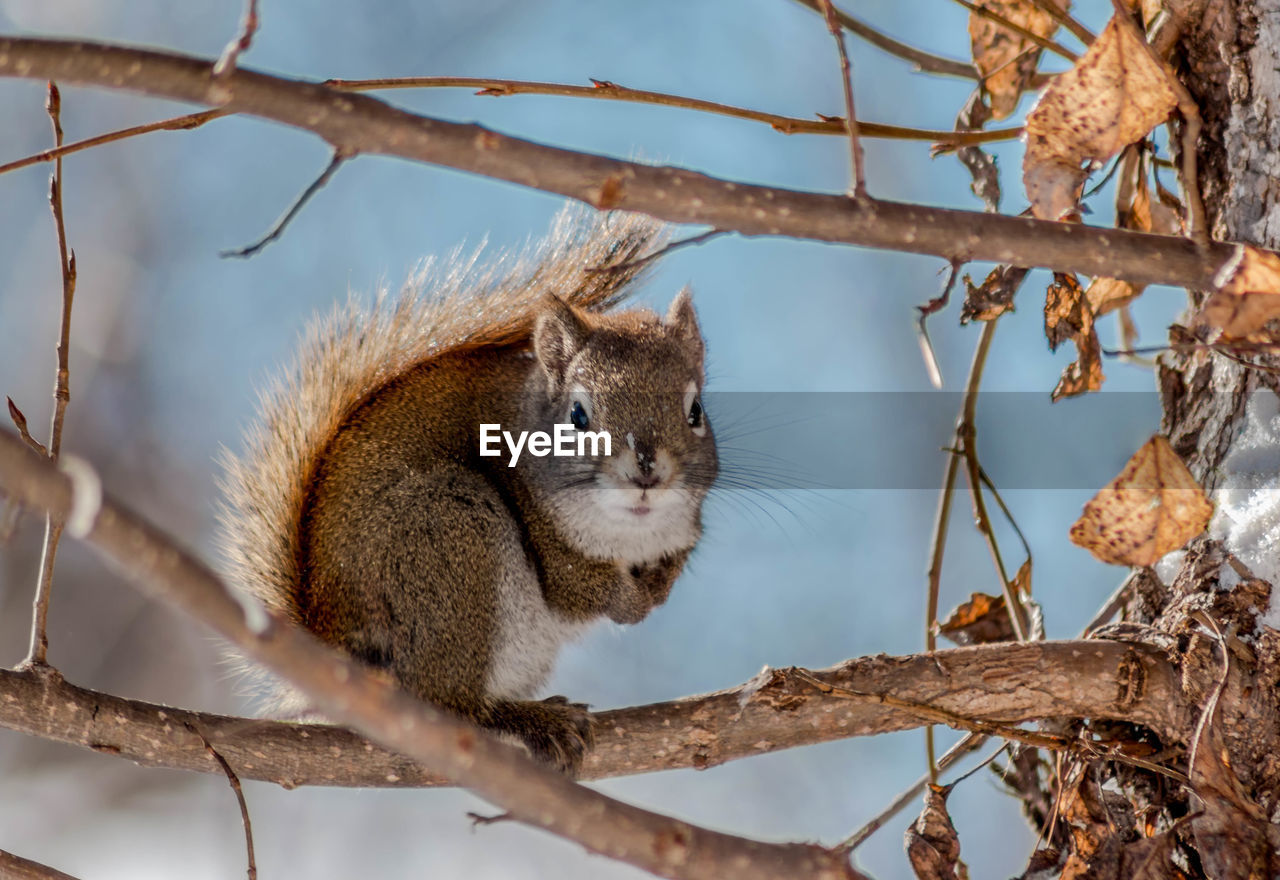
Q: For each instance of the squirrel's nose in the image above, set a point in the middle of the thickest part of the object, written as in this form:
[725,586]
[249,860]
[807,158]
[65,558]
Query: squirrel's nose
[646,479]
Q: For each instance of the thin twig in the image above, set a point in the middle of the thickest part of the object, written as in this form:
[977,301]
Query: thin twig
[234,781]
[966,432]
[1064,18]
[933,582]
[1042,42]
[924,61]
[39,651]
[1113,604]
[969,743]
[1004,508]
[20,421]
[607,90]
[859,190]
[478,819]
[276,230]
[701,238]
[240,42]
[976,767]
[177,123]
[936,304]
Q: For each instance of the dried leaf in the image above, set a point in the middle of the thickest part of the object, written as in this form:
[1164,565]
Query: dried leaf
[1108,294]
[1153,507]
[1150,858]
[1084,374]
[1007,60]
[994,296]
[1112,97]
[1066,310]
[980,621]
[1246,296]
[932,844]
[1067,316]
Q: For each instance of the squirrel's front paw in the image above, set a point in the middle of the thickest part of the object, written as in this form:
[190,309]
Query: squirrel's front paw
[556,731]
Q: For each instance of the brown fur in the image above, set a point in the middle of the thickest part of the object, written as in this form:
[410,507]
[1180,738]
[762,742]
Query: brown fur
[362,510]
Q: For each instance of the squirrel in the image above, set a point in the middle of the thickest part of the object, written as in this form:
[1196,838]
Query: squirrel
[363,510]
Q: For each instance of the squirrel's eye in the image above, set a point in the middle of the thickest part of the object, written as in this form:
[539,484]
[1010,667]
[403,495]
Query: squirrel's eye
[695,414]
[578,416]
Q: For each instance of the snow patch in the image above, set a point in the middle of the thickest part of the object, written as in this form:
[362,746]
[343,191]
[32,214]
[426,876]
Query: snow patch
[1247,520]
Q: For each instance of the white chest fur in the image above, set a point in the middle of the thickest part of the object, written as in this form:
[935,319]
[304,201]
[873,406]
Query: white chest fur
[529,635]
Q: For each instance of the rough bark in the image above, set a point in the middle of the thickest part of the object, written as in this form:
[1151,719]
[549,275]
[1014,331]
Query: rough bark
[779,709]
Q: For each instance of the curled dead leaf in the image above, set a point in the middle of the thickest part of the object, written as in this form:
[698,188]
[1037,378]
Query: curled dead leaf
[1113,96]
[1008,60]
[994,296]
[1247,295]
[1067,316]
[980,621]
[1154,506]
[1108,294]
[933,847]
[1066,310]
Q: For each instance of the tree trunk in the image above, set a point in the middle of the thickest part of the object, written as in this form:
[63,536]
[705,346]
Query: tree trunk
[1119,820]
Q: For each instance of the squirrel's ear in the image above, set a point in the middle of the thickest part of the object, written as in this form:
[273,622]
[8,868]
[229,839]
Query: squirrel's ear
[557,337]
[682,321]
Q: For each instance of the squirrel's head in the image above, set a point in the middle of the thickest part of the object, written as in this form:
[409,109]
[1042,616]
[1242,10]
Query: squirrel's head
[639,378]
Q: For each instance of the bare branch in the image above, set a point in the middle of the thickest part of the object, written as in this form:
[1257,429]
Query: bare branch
[362,124]
[53,525]
[612,91]
[778,711]
[241,42]
[692,241]
[234,781]
[14,867]
[859,186]
[177,123]
[278,227]
[923,61]
[20,421]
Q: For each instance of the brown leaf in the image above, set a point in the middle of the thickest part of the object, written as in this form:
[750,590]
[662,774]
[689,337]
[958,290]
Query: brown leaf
[1108,294]
[932,844]
[995,295]
[1246,296]
[1067,316]
[1153,507]
[1113,96]
[1084,374]
[1007,60]
[980,621]
[1150,858]
[1066,310]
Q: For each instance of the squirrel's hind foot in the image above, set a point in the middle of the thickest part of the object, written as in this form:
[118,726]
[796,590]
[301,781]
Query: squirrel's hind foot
[554,730]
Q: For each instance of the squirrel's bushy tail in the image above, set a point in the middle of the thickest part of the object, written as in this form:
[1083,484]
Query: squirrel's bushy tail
[457,303]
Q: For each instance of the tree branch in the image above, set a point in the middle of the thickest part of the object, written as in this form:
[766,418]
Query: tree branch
[777,710]
[361,124]
[13,867]
[923,61]
[612,91]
